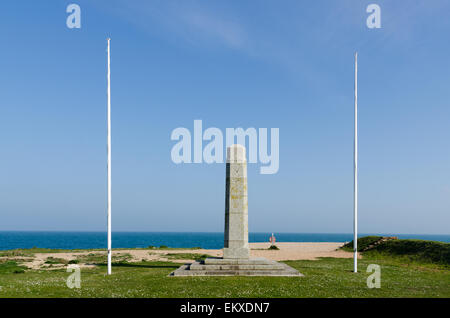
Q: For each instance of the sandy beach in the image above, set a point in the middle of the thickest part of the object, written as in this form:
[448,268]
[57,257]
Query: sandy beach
[287,251]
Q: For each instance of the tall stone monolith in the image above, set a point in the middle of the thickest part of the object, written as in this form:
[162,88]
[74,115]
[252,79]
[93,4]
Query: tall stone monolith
[236,252]
[236,205]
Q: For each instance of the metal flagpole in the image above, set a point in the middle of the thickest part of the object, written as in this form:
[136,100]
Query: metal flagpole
[109,159]
[355,174]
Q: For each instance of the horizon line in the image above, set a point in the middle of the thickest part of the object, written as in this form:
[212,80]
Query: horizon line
[255,232]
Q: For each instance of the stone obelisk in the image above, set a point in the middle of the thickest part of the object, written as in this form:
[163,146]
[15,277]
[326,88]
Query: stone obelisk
[236,205]
[236,252]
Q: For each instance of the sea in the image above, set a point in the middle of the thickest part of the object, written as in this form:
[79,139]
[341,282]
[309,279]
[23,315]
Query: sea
[207,240]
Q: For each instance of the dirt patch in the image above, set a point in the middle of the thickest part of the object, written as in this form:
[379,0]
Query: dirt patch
[287,251]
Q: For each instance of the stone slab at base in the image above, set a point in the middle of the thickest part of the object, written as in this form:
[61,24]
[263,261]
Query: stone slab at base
[236,253]
[236,267]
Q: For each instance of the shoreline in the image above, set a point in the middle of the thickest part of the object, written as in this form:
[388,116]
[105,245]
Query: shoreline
[128,240]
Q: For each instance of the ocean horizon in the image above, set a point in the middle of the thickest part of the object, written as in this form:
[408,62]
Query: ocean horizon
[207,240]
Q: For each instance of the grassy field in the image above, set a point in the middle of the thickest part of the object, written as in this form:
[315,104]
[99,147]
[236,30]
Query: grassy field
[329,277]
[34,250]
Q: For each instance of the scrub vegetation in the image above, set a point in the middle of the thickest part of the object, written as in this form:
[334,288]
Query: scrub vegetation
[409,268]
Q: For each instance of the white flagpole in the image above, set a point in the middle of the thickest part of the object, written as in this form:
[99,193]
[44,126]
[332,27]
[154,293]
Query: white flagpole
[355,174]
[109,160]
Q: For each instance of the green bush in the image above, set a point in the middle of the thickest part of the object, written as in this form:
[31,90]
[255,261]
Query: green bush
[417,250]
[273,247]
[411,250]
[54,260]
[197,257]
[363,243]
[8,267]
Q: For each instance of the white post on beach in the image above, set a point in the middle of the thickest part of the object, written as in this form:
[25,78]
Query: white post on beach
[355,175]
[109,160]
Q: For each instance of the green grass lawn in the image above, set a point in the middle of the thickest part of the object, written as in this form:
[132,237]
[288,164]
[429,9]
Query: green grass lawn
[328,277]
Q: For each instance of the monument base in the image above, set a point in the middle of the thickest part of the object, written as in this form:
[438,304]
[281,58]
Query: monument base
[236,253]
[235,267]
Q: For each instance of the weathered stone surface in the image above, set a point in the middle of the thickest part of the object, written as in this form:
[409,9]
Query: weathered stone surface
[224,261]
[236,205]
[200,266]
[234,267]
[236,259]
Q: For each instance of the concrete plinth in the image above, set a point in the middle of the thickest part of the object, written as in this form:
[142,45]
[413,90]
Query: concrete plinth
[236,259]
[236,267]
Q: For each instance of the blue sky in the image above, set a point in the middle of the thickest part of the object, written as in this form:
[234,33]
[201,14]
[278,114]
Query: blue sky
[283,64]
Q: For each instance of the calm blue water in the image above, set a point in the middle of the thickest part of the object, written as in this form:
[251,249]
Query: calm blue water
[81,240]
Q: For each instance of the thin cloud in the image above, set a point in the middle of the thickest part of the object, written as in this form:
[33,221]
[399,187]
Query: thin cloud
[194,24]
[228,32]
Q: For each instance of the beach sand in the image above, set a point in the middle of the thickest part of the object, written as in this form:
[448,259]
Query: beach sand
[287,251]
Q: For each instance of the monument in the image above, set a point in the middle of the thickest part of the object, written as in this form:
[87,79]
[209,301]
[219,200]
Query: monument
[236,205]
[236,259]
